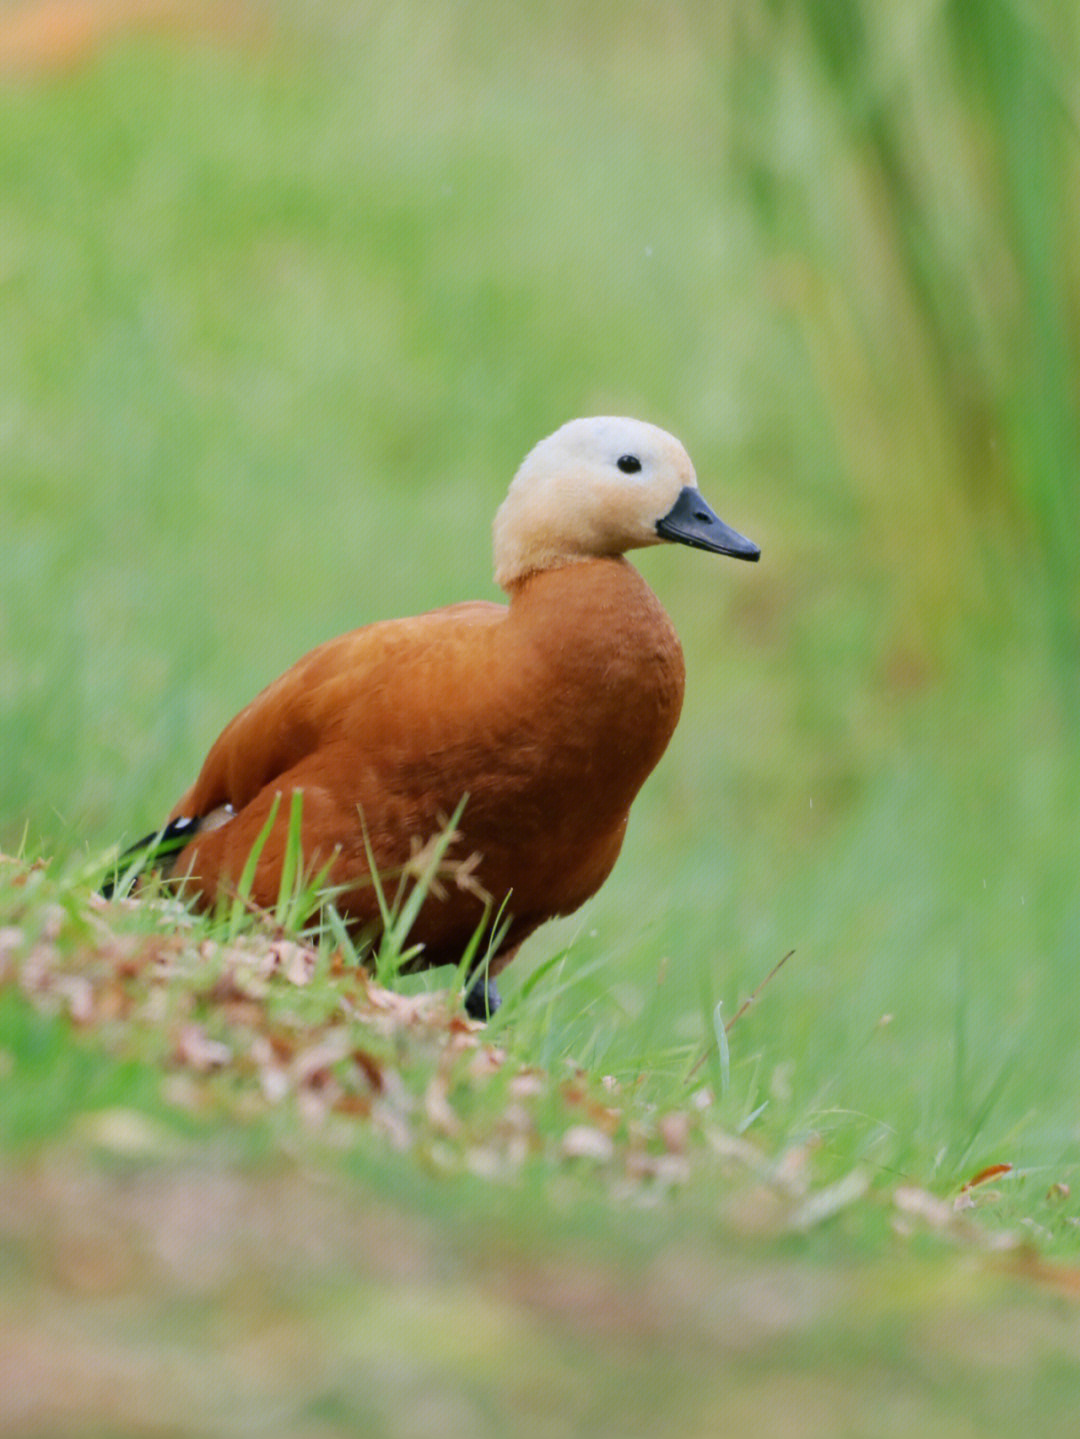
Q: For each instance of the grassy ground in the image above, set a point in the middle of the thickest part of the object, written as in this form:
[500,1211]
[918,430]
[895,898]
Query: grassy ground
[286,295]
[248,1189]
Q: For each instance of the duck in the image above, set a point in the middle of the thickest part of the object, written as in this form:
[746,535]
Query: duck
[533,722]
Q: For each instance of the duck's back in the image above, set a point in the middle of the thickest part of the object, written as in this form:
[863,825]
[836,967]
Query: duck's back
[365,690]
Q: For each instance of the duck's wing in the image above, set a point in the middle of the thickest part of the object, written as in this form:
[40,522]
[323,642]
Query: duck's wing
[347,688]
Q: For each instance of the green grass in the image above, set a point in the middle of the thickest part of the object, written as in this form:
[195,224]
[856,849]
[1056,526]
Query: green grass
[281,313]
[225,1152]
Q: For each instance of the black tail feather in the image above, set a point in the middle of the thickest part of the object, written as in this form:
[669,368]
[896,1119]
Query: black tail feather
[158,846]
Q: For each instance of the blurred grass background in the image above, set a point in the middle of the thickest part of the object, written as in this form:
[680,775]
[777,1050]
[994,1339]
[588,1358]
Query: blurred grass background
[288,291]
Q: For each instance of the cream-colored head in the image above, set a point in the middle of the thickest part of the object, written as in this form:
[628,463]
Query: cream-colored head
[600,487]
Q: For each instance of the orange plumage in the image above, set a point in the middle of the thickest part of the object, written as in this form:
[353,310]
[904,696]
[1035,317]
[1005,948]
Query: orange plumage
[548,713]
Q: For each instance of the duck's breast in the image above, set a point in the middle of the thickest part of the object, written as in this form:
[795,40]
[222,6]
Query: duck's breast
[612,667]
[592,689]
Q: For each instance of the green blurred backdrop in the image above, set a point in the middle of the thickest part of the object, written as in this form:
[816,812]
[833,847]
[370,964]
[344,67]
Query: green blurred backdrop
[283,302]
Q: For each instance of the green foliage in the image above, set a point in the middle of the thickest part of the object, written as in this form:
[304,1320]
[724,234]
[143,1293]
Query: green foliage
[280,321]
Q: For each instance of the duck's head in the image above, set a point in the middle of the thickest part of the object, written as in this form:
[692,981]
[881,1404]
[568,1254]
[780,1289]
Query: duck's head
[600,487]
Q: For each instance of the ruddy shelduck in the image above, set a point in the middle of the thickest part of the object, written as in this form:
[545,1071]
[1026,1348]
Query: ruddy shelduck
[545,715]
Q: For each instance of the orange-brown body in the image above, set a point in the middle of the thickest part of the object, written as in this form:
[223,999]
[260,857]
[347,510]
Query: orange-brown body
[548,713]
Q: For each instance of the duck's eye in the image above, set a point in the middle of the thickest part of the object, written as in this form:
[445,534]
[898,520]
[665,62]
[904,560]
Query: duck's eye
[629,464]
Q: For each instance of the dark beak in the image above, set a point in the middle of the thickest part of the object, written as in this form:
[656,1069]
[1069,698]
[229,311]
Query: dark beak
[691,522]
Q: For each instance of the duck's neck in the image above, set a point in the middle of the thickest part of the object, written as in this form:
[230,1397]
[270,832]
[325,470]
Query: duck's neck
[608,651]
[602,597]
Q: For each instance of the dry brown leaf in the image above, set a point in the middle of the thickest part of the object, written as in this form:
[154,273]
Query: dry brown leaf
[582,1141]
[527,1085]
[313,1065]
[674,1131]
[437,1107]
[196,1049]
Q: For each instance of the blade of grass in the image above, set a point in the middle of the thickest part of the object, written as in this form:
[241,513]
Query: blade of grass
[240,906]
[292,863]
[751,999]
